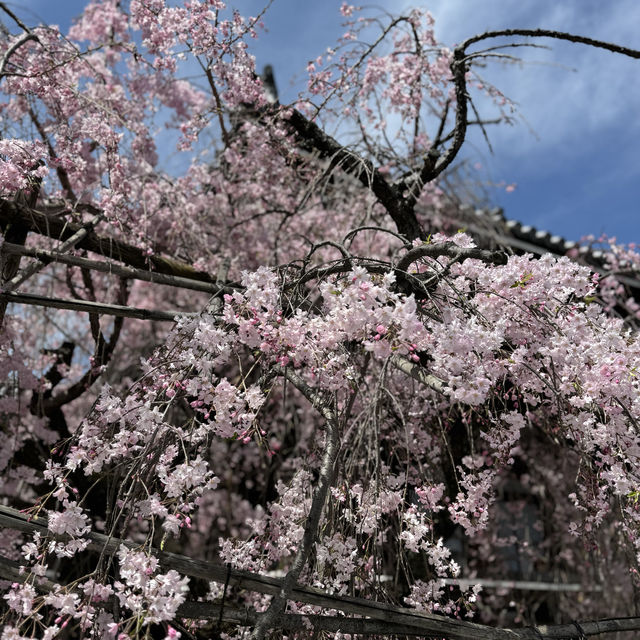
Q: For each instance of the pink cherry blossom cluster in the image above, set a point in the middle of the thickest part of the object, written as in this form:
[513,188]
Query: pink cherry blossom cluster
[481,402]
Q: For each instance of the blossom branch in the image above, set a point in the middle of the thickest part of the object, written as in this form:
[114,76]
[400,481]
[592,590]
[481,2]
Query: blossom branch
[273,615]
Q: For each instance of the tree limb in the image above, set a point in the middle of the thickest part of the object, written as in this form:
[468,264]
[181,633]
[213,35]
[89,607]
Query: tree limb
[459,66]
[351,163]
[451,250]
[54,226]
[274,614]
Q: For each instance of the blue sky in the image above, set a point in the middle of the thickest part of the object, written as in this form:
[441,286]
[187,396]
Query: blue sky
[575,151]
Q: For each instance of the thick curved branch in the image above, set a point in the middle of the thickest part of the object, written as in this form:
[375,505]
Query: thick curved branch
[435,164]
[13,48]
[452,251]
[459,64]
[557,35]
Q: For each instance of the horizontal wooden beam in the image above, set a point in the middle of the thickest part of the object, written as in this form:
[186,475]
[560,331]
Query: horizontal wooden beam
[110,267]
[383,618]
[91,307]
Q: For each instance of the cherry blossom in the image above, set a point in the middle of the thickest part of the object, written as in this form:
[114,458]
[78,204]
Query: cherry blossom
[281,356]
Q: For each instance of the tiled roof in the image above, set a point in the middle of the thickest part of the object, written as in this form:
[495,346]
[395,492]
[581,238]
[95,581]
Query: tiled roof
[490,226]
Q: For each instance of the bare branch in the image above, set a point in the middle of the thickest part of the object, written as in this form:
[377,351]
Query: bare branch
[459,69]
[101,356]
[14,17]
[557,35]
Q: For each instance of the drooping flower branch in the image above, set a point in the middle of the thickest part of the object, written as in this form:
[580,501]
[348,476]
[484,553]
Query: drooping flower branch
[335,398]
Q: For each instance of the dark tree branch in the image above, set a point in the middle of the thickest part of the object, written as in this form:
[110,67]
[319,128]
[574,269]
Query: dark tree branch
[14,17]
[12,49]
[101,356]
[55,226]
[450,250]
[62,174]
[16,231]
[557,35]
[459,67]
[351,163]
[64,355]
